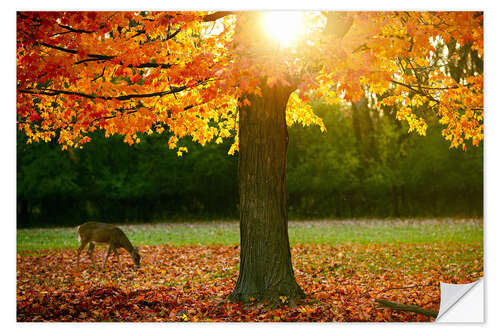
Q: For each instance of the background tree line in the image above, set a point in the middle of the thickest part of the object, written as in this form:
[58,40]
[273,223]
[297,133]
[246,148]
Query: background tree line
[365,165]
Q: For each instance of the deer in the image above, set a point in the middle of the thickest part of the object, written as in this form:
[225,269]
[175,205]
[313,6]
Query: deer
[103,233]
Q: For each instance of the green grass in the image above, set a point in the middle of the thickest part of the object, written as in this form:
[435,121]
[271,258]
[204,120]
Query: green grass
[308,232]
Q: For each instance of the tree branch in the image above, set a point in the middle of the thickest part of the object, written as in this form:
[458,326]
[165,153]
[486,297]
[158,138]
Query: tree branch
[103,57]
[58,48]
[336,24]
[406,307]
[70,29]
[215,16]
[135,109]
[55,92]
[405,85]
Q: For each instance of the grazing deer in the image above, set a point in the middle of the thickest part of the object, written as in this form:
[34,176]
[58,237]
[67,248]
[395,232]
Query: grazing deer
[103,233]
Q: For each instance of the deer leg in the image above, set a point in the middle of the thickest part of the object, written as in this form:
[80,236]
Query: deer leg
[82,245]
[110,247]
[117,255]
[91,252]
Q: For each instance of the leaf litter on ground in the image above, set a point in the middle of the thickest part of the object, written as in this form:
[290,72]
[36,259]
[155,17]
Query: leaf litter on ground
[192,282]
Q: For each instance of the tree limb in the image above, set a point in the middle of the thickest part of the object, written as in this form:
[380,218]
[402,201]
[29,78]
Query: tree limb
[337,24]
[103,57]
[215,16]
[70,29]
[55,92]
[406,307]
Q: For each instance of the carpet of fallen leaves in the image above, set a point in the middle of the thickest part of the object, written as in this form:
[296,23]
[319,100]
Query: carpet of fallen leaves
[191,283]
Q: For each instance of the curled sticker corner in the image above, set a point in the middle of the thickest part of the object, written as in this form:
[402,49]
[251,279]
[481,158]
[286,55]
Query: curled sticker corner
[461,303]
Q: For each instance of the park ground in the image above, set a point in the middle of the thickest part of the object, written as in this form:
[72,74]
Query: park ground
[188,269]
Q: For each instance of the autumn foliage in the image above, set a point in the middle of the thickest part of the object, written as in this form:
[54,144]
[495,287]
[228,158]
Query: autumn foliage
[191,283]
[187,72]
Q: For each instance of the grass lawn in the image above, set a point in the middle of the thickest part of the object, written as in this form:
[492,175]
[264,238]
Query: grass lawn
[421,231]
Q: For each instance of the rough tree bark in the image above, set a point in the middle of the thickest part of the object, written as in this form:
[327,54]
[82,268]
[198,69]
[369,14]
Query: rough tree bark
[265,261]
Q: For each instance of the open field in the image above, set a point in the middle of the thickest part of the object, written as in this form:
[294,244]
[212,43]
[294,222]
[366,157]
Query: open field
[188,269]
[301,232]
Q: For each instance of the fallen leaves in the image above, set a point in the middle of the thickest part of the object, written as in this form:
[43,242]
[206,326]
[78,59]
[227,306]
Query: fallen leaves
[191,283]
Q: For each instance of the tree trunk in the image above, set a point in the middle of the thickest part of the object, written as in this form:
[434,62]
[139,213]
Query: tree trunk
[265,261]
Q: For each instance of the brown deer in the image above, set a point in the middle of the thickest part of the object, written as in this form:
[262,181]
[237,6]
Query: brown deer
[102,233]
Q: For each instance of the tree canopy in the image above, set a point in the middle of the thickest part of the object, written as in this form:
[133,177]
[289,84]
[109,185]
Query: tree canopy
[188,72]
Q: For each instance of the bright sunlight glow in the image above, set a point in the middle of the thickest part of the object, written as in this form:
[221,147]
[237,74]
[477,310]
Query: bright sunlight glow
[284,27]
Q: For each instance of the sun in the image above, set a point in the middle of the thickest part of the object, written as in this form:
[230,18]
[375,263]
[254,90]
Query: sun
[283,26]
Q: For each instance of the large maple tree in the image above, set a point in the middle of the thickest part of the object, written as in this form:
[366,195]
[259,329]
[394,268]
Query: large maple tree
[219,75]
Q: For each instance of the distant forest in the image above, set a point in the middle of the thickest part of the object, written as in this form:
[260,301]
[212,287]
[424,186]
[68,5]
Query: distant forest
[365,165]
